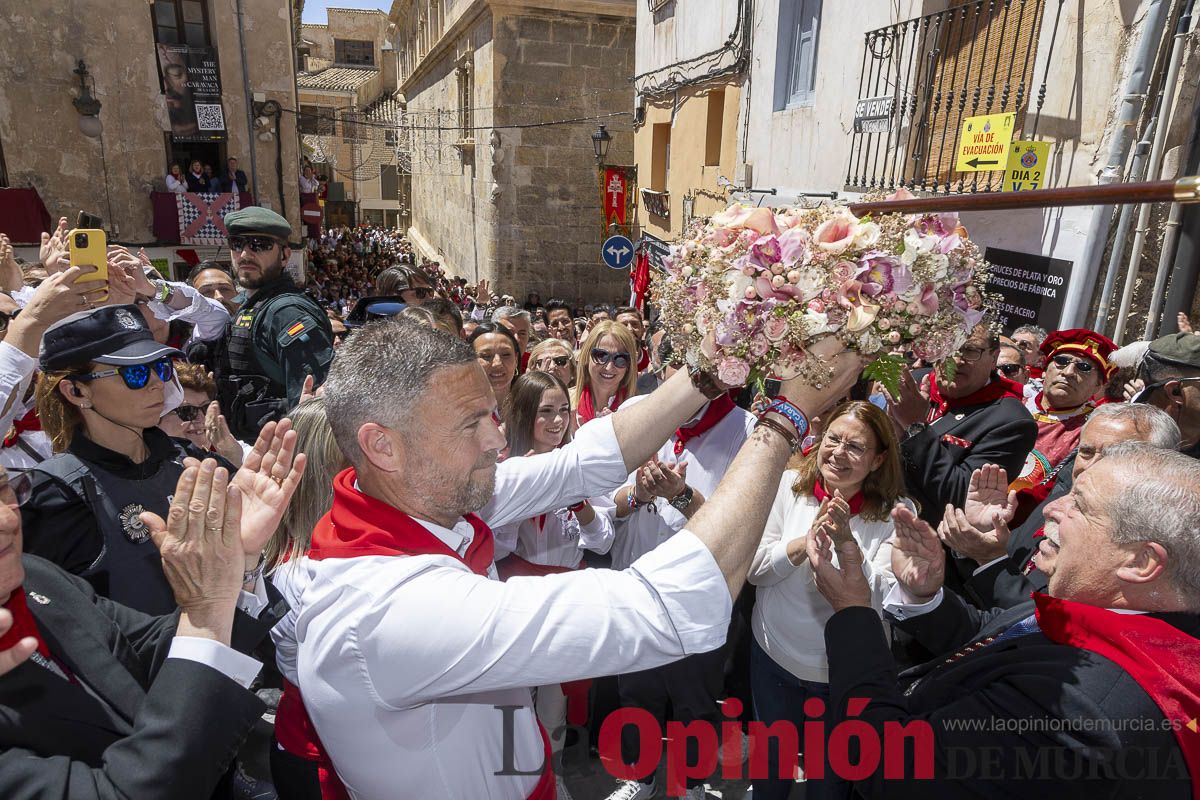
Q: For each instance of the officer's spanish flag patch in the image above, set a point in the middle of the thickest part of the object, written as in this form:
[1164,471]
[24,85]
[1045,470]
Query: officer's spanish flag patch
[296,329]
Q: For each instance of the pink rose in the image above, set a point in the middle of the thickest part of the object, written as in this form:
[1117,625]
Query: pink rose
[732,371]
[775,327]
[817,306]
[844,271]
[759,347]
[836,234]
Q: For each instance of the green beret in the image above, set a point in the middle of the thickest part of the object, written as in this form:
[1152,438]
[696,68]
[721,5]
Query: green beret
[256,219]
[1178,348]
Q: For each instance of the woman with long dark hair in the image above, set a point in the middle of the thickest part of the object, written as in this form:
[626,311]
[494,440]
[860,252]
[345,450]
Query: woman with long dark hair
[499,354]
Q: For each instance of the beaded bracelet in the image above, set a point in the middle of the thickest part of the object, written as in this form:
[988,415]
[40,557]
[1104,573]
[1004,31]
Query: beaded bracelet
[785,408]
[792,440]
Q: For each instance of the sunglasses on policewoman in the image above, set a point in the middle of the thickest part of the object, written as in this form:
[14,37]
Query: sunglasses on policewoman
[136,376]
[257,244]
[620,360]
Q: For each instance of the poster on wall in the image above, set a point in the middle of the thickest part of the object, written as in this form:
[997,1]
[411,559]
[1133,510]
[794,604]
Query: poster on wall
[1031,288]
[191,80]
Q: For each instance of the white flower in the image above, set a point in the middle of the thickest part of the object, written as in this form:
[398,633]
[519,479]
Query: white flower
[817,323]
[868,235]
[738,284]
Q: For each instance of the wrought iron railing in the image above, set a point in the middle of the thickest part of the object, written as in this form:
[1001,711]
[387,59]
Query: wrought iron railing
[922,77]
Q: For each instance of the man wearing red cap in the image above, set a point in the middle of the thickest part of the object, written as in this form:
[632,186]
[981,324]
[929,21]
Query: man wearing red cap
[1077,368]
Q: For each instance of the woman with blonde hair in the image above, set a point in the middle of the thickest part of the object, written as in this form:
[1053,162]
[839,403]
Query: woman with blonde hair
[554,357]
[605,375]
[846,486]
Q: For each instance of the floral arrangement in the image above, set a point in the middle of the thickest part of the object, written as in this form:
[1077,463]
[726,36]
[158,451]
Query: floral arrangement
[749,290]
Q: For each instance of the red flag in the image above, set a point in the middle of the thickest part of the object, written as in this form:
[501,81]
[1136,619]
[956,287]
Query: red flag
[639,280]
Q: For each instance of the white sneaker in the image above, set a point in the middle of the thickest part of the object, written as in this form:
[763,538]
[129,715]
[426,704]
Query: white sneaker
[561,789]
[633,790]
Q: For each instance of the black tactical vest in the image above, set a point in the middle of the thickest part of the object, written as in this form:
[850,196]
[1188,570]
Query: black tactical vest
[243,385]
[129,569]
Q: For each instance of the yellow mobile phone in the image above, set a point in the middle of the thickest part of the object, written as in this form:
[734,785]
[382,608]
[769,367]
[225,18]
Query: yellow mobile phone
[89,246]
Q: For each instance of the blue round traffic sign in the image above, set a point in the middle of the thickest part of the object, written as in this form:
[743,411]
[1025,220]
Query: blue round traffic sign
[617,252]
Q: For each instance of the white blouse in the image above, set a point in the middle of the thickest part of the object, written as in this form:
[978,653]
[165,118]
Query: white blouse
[177,185]
[558,538]
[790,614]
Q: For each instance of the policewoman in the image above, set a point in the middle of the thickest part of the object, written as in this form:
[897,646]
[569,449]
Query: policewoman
[277,336]
[99,398]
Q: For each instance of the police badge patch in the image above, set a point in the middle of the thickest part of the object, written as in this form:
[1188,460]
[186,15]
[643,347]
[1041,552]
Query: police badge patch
[135,530]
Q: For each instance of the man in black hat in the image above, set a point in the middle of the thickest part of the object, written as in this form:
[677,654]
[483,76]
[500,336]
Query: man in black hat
[1170,371]
[277,337]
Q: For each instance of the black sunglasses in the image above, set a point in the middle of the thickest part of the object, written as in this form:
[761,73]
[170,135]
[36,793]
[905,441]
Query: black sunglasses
[1010,369]
[189,413]
[620,360]
[559,361]
[1143,396]
[1081,365]
[136,376]
[257,244]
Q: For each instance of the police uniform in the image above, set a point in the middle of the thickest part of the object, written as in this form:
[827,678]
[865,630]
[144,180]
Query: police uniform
[276,338]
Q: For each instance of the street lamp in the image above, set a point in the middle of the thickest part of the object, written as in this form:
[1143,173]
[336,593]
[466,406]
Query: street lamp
[600,141]
[87,105]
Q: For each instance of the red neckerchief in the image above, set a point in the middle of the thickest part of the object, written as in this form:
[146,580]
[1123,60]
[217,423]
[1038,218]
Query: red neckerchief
[360,525]
[29,422]
[716,411]
[1163,660]
[1036,372]
[587,407]
[999,387]
[23,624]
[856,503]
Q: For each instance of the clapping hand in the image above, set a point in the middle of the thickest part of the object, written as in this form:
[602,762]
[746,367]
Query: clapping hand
[663,480]
[11,278]
[843,587]
[54,251]
[957,533]
[220,440]
[988,495]
[918,559]
[201,549]
[268,478]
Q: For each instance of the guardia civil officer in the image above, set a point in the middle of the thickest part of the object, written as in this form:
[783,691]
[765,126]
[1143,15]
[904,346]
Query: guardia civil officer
[276,337]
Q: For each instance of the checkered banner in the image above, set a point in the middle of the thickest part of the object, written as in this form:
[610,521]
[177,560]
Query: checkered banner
[202,216]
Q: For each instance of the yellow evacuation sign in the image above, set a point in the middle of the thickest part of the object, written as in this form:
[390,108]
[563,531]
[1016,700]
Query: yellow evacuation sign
[984,142]
[1027,162]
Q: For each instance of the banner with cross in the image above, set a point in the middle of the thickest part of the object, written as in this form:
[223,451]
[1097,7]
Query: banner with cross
[202,216]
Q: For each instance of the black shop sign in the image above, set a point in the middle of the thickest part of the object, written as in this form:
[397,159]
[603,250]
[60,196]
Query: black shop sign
[1031,288]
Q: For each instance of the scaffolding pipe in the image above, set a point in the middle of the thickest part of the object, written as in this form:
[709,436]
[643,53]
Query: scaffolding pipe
[1137,172]
[1079,288]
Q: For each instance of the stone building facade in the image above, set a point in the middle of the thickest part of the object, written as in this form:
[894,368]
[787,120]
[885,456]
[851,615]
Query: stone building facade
[41,142]
[349,108]
[497,192]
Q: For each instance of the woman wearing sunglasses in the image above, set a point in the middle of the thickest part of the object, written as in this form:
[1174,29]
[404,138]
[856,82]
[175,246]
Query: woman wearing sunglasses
[554,357]
[605,376]
[99,400]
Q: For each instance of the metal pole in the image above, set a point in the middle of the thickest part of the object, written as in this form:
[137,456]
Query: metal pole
[248,99]
[1083,278]
[1136,172]
[1171,230]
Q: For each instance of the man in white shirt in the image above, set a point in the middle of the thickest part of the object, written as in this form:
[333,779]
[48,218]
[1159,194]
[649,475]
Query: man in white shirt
[655,504]
[415,669]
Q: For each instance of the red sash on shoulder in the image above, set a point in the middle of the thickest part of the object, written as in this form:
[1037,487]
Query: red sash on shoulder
[1163,660]
[359,525]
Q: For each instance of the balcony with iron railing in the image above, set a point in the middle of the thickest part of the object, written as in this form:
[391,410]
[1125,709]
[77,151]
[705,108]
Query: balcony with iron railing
[922,78]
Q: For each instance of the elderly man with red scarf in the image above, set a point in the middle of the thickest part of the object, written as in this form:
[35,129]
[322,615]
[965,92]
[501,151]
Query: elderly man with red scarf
[1077,368]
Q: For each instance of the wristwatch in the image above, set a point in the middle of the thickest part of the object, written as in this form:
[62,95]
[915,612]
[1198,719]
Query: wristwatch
[681,501]
[165,291]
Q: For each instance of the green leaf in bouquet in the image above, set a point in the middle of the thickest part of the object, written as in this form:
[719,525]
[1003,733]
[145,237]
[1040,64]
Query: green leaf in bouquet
[947,370]
[887,370]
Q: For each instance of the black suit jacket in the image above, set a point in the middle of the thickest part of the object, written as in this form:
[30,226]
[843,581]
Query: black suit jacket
[168,728]
[938,467]
[1005,584]
[1090,730]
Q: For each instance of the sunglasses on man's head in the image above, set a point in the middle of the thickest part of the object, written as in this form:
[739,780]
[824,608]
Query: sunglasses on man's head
[257,244]
[1081,365]
[187,413]
[618,359]
[136,376]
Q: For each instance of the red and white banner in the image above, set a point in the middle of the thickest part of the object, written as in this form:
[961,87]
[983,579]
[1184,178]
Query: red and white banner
[616,190]
[202,216]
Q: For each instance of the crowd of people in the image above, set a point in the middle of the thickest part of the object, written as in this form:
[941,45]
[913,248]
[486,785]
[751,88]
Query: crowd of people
[451,544]
[202,177]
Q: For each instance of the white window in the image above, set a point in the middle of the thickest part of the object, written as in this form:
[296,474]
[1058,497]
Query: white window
[796,61]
